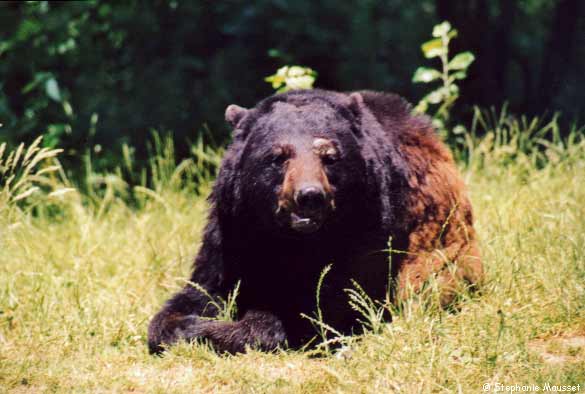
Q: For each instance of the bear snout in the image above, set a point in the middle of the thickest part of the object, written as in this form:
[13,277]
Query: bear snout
[310,199]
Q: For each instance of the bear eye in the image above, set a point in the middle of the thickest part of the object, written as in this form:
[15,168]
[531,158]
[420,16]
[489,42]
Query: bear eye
[278,157]
[278,160]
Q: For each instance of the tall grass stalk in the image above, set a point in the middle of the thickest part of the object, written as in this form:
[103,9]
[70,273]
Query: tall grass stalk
[24,171]
[498,139]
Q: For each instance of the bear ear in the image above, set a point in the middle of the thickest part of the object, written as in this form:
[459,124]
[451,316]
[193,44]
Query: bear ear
[356,104]
[235,113]
[356,107]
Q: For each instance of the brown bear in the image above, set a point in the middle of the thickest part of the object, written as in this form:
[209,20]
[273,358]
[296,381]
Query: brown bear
[313,178]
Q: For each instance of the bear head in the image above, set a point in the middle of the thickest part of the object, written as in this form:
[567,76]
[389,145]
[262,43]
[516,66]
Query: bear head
[296,165]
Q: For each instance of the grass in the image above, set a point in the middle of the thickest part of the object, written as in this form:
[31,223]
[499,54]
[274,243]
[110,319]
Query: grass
[81,274]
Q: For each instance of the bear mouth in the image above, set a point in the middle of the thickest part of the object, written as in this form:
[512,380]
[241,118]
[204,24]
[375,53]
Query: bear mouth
[305,224]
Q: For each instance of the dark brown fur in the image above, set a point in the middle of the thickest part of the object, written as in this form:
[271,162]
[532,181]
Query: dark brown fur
[316,178]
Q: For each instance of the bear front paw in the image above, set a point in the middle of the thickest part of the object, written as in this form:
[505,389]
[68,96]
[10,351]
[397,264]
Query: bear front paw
[167,329]
[257,330]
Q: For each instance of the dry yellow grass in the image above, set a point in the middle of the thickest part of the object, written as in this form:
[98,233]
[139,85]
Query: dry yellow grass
[79,283]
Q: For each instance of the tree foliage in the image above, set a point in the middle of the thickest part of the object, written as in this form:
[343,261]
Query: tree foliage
[101,73]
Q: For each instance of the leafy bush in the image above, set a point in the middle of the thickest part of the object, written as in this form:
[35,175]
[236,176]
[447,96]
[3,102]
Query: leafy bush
[451,70]
[292,77]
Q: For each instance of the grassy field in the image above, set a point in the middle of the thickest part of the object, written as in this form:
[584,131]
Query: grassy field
[81,274]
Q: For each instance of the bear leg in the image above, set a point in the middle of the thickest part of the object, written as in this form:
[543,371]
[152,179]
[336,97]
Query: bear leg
[179,319]
[259,330]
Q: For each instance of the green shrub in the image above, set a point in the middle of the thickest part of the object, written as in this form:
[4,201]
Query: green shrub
[451,70]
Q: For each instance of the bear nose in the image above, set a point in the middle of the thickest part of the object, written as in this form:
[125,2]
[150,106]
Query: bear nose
[310,198]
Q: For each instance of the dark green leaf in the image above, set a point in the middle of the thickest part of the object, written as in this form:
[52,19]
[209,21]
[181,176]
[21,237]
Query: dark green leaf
[52,89]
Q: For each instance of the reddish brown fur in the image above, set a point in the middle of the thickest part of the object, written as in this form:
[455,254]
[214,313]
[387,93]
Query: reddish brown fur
[442,240]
